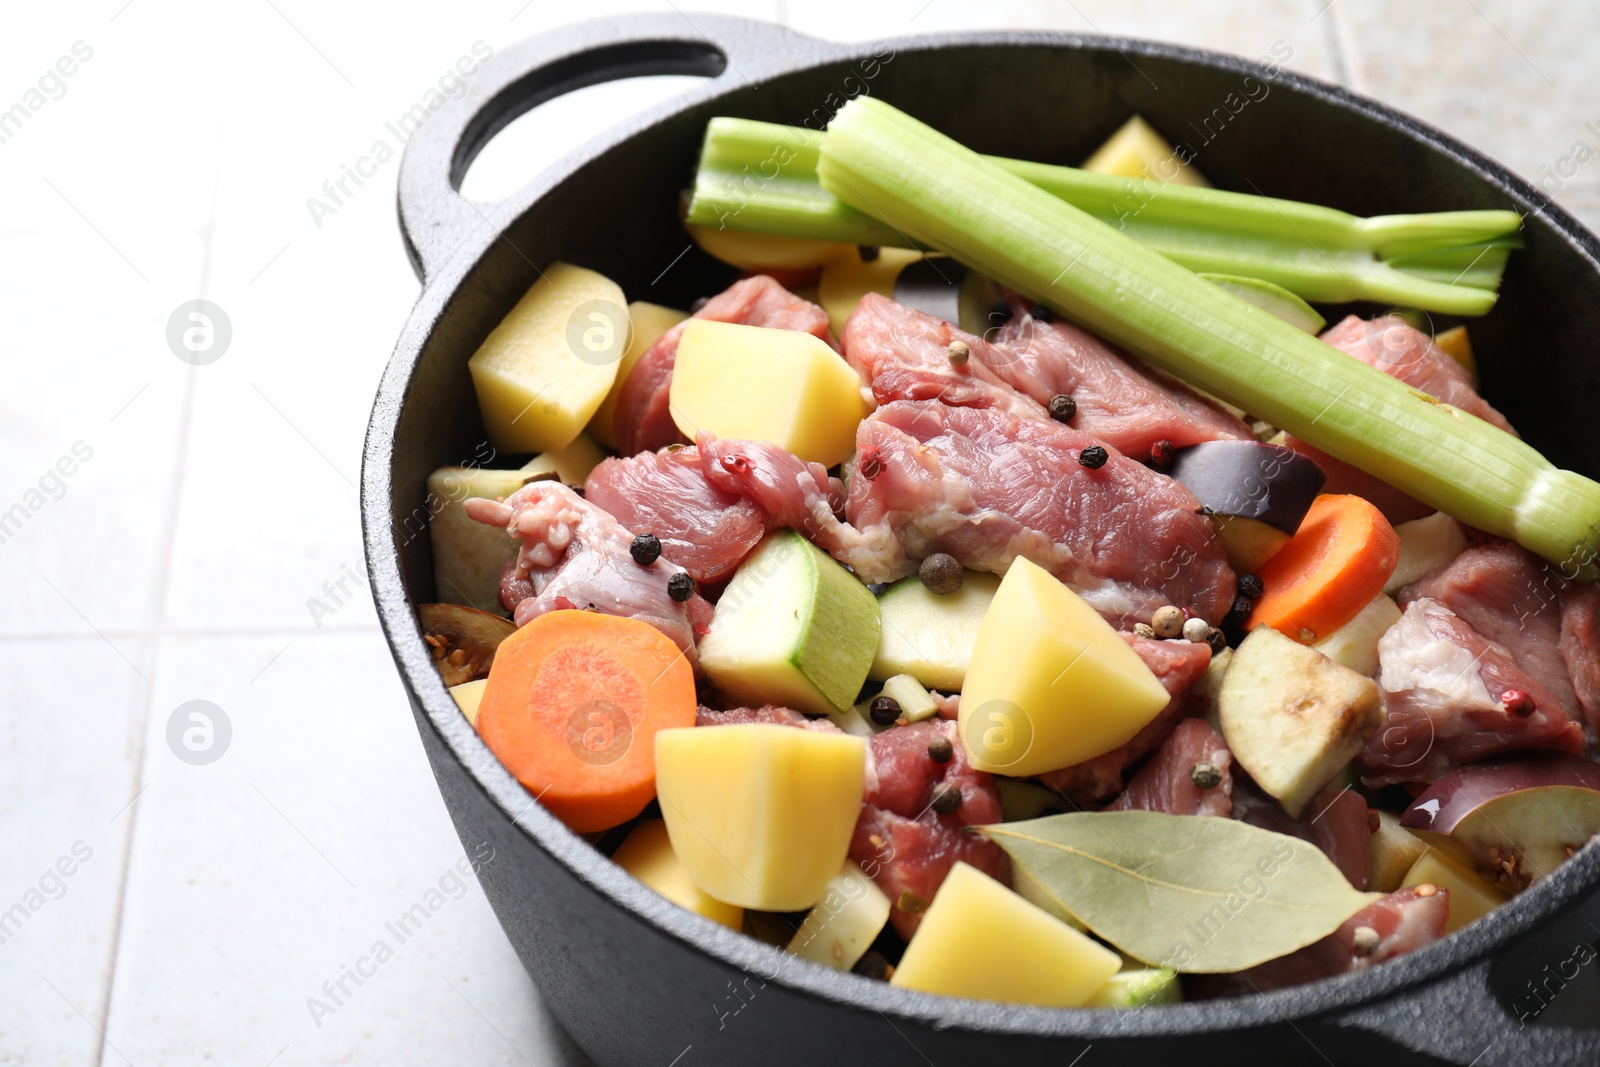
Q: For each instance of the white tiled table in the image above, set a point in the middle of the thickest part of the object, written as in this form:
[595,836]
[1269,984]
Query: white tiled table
[177,561]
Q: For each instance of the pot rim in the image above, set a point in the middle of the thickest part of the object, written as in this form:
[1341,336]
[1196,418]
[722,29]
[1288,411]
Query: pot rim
[1451,955]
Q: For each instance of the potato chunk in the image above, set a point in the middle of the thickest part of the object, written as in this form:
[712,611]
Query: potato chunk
[756,384]
[1136,150]
[571,464]
[1471,898]
[542,373]
[467,696]
[1050,683]
[847,279]
[1391,852]
[647,323]
[760,815]
[647,855]
[979,939]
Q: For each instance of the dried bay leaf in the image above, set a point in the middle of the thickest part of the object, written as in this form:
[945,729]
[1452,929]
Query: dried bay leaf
[1193,893]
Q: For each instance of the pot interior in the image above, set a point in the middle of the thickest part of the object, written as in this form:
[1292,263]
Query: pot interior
[617,213]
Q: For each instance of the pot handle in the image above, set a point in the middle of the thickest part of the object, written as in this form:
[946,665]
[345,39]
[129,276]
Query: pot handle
[1484,1013]
[435,219]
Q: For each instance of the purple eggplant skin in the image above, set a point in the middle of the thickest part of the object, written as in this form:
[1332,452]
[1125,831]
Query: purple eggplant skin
[1514,820]
[1250,479]
[1462,791]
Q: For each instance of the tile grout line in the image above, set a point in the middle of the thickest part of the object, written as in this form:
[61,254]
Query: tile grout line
[1335,45]
[156,610]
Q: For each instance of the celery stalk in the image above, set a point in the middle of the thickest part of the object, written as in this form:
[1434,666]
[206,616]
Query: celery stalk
[937,192]
[762,177]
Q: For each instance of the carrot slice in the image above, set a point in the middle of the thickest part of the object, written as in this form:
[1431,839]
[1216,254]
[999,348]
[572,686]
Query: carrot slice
[1334,565]
[572,707]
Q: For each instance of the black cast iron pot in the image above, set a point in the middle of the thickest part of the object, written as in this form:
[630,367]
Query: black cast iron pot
[635,979]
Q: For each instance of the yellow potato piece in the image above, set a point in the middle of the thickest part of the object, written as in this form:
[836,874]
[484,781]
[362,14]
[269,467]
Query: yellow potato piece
[760,815]
[978,939]
[647,855]
[467,697]
[1136,150]
[765,251]
[649,322]
[571,464]
[542,373]
[847,279]
[1050,683]
[1471,898]
[781,386]
[1391,852]
[1458,346]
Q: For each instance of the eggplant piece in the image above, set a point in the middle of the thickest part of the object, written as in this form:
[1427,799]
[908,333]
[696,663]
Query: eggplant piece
[1257,494]
[463,640]
[1293,717]
[1515,820]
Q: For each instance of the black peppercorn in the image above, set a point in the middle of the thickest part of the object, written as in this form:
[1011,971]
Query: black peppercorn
[1094,457]
[1062,407]
[1217,640]
[940,750]
[868,252]
[1242,607]
[680,586]
[885,711]
[1249,585]
[946,798]
[646,549]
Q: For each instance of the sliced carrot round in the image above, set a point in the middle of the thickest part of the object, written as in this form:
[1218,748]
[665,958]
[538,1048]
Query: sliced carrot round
[1334,565]
[572,707]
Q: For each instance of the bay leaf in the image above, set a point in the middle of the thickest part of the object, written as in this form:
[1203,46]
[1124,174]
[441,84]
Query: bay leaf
[1193,893]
